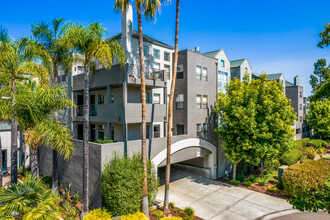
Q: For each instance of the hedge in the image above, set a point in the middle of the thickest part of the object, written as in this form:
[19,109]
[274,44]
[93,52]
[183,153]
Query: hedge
[308,185]
[292,157]
[121,186]
[98,214]
[317,143]
[301,142]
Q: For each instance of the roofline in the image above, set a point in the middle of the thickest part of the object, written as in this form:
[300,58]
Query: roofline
[198,53]
[219,52]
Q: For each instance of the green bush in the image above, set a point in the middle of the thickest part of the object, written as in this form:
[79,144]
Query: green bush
[292,157]
[171,205]
[272,189]
[158,214]
[177,210]
[271,176]
[247,183]
[308,185]
[240,177]
[279,185]
[271,165]
[310,152]
[136,216]
[301,143]
[234,182]
[317,143]
[262,181]
[188,213]
[252,178]
[104,141]
[226,178]
[122,181]
[98,214]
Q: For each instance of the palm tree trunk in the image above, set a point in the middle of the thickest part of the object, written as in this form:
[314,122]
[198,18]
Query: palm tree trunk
[145,205]
[13,137]
[85,143]
[170,112]
[234,171]
[1,165]
[22,144]
[34,162]
[55,154]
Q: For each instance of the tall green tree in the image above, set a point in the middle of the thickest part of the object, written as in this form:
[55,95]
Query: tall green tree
[49,36]
[88,43]
[149,8]
[319,118]
[255,119]
[325,36]
[320,76]
[170,112]
[17,60]
[34,109]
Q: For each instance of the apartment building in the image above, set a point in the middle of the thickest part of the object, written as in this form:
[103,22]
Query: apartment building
[295,92]
[238,68]
[307,129]
[115,112]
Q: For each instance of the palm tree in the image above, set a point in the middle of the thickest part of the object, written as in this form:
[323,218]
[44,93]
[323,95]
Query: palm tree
[34,109]
[16,61]
[170,112]
[49,37]
[88,43]
[29,200]
[149,8]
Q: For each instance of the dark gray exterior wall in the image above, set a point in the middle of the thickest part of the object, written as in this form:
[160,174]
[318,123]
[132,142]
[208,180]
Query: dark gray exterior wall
[295,94]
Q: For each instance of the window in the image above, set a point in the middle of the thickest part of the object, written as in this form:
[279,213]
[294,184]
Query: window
[146,68]
[204,128]
[179,72]
[80,131]
[168,71]
[156,98]
[166,56]
[112,99]
[300,106]
[156,131]
[179,101]
[101,99]
[101,132]
[147,131]
[112,132]
[100,66]
[198,101]
[222,63]
[179,129]
[148,101]
[300,94]
[246,69]
[146,51]
[198,130]
[222,81]
[204,101]
[156,66]
[204,73]
[80,69]
[156,54]
[198,72]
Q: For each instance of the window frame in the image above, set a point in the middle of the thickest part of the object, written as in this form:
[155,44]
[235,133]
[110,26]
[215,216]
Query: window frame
[167,54]
[204,76]
[222,63]
[179,104]
[155,52]
[153,98]
[205,105]
[100,99]
[156,132]
[199,75]
[145,48]
[199,105]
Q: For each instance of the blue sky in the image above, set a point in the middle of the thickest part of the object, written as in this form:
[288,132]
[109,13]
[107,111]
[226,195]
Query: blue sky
[275,36]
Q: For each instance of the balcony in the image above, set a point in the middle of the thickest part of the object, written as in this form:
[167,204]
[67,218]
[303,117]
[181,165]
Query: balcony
[152,78]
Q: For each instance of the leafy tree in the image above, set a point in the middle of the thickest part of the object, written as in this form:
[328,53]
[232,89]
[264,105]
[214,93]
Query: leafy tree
[319,118]
[88,43]
[30,199]
[325,36]
[34,108]
[17,60]
[321,74]
[170,112]
[149,9]
[255,119]
[49,37]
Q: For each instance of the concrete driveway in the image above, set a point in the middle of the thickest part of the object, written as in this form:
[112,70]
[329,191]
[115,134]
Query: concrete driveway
[213,200]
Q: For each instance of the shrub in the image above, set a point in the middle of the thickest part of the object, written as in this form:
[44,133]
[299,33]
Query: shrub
[98,214]
[271,165]
[272,189]
[301,143]
[247,183]
[171,205]
[188,213]
[271,176]
[234,182]
[252,178]
[308,186]
[177,210]
[279,185]
[310,152]
[292,157]
[122,181]
[262,181]
[171,218]
[240,177]
[317,143]
[76,198]
[158,213]
[136,216]
[71,210]
[226,178]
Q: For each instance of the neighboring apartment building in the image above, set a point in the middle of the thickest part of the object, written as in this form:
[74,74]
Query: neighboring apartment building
[115,112]
[295,92]
[278,77]
[307,129]
[238,68]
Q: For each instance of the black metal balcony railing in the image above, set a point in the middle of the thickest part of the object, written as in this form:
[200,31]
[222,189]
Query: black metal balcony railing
[134,72]
[92,110]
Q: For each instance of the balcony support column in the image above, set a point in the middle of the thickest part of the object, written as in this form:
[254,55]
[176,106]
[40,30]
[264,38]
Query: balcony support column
[109,93]
[125,134]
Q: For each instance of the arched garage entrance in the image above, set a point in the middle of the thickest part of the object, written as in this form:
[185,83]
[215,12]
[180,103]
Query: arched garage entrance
[187,145]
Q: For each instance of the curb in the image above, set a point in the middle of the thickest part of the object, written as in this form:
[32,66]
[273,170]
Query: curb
[278,214]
